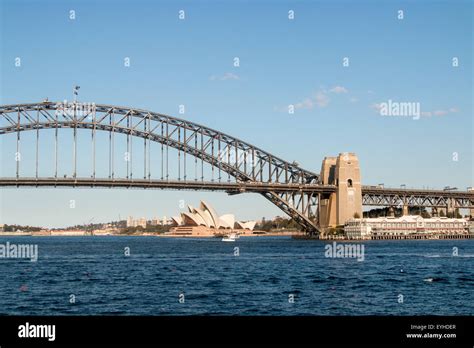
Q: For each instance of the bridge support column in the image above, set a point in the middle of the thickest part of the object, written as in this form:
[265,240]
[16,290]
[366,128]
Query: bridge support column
[471,211]
[405,210]
[391,212]
[342,171]
[453,209]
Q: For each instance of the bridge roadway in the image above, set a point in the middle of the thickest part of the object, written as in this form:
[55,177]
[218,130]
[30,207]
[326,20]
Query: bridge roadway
[231,187]
[371,195]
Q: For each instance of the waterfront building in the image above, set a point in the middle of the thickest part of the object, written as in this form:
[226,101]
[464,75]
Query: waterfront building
[367,228]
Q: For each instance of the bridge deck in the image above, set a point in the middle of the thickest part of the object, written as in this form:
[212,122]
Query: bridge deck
[165,184]
[375,196]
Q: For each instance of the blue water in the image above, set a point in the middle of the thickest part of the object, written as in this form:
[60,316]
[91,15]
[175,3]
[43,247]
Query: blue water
[257,282]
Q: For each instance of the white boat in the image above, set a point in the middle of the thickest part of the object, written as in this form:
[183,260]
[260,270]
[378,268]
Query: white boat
[230,238]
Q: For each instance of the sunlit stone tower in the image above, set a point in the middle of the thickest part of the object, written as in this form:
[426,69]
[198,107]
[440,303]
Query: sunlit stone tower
[342,171]
[327,203]
[349,193]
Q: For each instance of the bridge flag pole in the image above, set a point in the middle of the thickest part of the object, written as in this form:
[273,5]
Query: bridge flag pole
[37,141]
[76,92]
[18,155]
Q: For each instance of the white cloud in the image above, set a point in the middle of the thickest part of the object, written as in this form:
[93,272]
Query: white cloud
[321,99]
[376,106]
[230,76]
[226,76]
[305,104]
[338,90]
[440,112]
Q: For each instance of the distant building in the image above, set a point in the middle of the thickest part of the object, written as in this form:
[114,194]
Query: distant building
[1,227]
[163,221]
[140,222]
[131,222]
[403,226]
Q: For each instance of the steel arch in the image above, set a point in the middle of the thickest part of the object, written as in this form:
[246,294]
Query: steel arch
[244,162]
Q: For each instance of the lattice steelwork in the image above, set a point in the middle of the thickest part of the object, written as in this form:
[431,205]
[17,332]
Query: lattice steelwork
[292,189]
[416,198]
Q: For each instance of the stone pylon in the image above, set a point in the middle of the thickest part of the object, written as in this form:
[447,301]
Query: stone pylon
[336,208]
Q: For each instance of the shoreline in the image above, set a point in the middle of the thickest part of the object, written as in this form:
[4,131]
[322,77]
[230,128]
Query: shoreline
[292,236]
[164,235]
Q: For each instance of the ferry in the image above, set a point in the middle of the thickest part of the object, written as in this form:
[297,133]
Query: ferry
[230,238]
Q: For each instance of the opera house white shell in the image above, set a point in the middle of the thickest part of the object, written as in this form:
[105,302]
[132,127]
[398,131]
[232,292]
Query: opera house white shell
[206,216]
[248,225]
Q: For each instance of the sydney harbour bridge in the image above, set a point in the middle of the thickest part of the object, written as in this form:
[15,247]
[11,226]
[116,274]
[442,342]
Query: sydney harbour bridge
[174,153]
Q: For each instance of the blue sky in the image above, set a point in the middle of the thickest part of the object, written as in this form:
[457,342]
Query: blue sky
[282,62]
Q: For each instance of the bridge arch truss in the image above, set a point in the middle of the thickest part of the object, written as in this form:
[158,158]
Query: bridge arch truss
[292,189]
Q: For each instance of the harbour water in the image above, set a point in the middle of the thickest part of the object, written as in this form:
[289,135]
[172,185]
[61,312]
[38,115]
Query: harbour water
[252,276]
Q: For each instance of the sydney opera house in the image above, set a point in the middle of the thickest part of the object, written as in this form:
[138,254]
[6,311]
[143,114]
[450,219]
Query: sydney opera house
[204,221]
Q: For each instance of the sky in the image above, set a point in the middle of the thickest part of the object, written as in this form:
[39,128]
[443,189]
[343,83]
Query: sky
[282,62]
